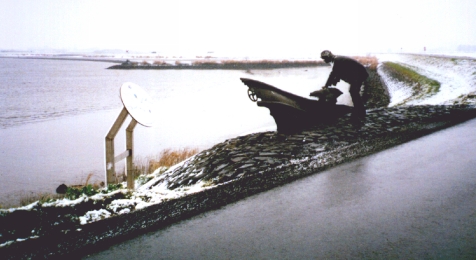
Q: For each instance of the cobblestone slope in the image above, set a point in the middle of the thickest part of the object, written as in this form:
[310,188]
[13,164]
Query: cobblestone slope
[260,153]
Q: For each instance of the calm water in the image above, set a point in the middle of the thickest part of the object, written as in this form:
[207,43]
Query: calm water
[55,114]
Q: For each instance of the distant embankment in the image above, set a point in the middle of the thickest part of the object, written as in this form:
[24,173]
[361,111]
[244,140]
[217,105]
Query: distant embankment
[222,65]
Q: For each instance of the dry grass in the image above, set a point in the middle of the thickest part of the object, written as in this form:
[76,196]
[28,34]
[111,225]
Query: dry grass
[166,158]
[370,62]
[169,158]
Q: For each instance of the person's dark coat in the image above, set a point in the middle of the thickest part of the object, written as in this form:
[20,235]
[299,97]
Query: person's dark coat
[348,70]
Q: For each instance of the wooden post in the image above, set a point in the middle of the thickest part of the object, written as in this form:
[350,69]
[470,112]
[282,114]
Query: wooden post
[130,159]
[110,160]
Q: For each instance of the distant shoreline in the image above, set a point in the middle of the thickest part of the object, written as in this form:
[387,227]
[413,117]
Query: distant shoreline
[228,65]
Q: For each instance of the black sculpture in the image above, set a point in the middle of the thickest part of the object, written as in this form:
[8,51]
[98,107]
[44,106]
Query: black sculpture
[293,113]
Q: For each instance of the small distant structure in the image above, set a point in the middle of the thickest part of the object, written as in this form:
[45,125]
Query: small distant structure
[424,48]
[127,63]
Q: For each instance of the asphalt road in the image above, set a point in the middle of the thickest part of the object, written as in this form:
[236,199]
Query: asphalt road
[416,200]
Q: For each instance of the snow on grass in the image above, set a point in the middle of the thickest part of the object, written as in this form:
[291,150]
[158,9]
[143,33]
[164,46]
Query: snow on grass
[27,208]
[65,202]
[457,77]
[148,194]
[398,90]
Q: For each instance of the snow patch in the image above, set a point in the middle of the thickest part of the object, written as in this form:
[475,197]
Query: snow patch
[94,215]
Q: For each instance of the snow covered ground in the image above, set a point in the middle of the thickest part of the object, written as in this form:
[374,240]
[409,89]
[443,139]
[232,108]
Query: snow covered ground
[456,75]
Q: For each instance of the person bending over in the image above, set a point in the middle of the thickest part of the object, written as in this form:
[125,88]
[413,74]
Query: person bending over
[350,71]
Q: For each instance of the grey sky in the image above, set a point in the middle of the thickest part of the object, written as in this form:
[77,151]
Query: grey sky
[243,27]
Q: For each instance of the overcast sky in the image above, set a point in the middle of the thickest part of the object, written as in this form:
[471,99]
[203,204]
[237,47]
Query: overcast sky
[270,28]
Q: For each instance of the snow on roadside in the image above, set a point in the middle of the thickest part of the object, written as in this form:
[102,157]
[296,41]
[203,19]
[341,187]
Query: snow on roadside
[457,77]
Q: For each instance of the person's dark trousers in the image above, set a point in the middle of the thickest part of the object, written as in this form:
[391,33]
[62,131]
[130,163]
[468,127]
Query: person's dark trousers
[359,109]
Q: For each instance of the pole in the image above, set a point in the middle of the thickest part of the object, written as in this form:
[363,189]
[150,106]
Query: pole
[110,168]
[130,159]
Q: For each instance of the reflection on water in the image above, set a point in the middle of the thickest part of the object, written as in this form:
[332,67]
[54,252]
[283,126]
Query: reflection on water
[55,114]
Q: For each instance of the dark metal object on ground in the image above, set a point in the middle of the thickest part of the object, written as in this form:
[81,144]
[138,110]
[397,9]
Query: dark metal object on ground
[62,189]
[293,113]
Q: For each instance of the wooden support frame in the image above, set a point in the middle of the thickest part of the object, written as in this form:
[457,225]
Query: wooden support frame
[137,104]
[111,159]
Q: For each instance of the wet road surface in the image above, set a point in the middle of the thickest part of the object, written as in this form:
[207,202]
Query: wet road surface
[416,200]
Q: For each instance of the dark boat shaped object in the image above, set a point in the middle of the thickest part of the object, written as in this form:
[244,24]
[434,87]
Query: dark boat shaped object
[293,113]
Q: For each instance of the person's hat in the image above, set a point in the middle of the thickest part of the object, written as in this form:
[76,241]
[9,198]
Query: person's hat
[326,54]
